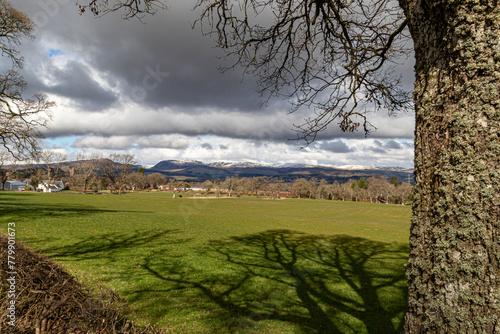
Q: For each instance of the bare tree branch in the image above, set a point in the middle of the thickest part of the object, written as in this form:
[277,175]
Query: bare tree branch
[131,8]
[14,25]
[334,56]
[20,118]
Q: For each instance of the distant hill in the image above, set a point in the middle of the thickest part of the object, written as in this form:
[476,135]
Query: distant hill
[197,171]
[192,170]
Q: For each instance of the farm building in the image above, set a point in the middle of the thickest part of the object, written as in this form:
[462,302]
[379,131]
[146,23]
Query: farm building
[16,186]
[51,187]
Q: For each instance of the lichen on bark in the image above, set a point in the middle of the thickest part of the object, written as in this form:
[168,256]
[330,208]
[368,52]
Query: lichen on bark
[454,272]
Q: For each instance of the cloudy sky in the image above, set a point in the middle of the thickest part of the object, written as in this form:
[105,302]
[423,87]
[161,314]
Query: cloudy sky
[154,90]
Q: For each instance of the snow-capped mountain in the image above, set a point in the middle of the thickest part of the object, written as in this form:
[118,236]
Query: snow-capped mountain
[355,167]
[194,170]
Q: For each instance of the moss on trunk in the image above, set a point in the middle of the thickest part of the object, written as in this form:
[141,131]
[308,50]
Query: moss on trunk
[454,271]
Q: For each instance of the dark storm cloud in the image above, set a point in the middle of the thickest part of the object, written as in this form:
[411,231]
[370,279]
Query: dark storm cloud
[394,145]
[206,146]
[127,51]
[168,44]
[336,146]
[387,146]
[74,82]
[377,150]
[166,70]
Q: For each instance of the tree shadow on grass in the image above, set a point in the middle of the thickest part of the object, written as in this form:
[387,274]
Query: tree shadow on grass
[318,284]
[18,208]
[111,246]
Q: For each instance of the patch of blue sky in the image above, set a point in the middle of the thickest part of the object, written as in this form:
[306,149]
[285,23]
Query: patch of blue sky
[407,143]
[61,142]
[54,52]
[404,140]
[208,136]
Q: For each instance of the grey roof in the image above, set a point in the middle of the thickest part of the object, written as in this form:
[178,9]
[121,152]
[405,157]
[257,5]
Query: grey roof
[15,183]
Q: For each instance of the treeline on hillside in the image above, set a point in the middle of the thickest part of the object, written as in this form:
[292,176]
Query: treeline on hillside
[116,173]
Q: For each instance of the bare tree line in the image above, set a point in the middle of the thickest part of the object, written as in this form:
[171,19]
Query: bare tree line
[374,189]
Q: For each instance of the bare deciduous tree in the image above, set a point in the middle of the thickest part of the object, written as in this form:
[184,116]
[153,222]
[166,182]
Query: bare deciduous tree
[375,188]
[136,180]
[230,184]
[20,118]
[116,168]
[156,179]
[302,188]
[208,185]
[87,167]
[275,186]
[334,190]
[403,192]
[346,191]
[4,173]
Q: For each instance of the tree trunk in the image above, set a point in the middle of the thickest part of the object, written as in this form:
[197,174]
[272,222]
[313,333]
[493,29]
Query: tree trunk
[454,267]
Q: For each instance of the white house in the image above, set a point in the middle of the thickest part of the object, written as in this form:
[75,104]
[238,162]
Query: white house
[50,187]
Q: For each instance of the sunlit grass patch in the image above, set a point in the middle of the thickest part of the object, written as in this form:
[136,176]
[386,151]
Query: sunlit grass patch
[241,265]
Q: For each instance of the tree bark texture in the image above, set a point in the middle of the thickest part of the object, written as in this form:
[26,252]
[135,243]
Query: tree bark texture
[454,267]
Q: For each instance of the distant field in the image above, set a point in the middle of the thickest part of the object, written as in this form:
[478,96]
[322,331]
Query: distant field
[241,265]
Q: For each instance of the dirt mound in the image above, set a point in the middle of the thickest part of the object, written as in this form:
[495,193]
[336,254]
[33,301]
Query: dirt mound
[41,297]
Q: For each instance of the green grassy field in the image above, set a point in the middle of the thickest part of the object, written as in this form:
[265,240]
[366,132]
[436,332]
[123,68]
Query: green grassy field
[243,265]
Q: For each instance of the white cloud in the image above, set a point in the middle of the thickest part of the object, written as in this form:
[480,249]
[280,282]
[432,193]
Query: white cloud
[213,148]
[108,143]
[163,141]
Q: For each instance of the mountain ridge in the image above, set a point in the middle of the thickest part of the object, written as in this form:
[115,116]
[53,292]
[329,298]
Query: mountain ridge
[194,170]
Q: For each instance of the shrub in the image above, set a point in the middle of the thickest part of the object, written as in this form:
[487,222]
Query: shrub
[49,300]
